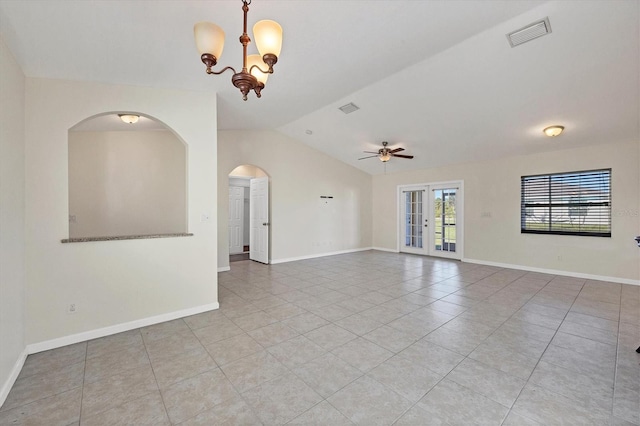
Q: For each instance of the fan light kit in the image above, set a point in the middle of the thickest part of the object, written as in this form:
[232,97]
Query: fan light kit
[268,37]
[129,118]
[553,131]
[385,154]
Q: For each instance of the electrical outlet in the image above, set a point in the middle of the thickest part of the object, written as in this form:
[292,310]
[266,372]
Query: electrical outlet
[71,309]
[205,217]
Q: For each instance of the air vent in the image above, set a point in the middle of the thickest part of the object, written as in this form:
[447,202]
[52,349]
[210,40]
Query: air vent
[530,32]
[349,108]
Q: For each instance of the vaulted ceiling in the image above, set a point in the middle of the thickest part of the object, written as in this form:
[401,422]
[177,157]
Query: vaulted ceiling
[435,77]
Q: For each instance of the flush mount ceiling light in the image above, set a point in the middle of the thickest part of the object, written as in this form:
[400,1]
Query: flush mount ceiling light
[268,37]
[129,118]
[553,131]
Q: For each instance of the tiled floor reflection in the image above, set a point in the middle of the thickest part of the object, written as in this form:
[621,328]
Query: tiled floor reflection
[368,338]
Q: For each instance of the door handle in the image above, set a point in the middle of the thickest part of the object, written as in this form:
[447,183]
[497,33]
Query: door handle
[265,224]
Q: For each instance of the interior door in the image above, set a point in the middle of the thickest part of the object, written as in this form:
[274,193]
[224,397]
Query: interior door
[259,220]
[236,222]
[414,220]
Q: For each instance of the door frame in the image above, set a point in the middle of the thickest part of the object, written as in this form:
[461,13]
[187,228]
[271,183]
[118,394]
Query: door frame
[242,181]
[459,220]
[242,230]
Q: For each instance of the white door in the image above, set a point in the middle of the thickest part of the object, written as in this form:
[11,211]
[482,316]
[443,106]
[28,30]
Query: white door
[445,220]
[236,216]
[413,220]
[431,220]
[259,220]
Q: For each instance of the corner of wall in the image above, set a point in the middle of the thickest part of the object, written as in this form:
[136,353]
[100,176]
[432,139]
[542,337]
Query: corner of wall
[12,220]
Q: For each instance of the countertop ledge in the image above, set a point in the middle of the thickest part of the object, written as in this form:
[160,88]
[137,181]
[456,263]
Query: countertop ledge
[123,237]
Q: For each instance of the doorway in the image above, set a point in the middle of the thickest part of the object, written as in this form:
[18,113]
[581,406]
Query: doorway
[248,214]
[431,219]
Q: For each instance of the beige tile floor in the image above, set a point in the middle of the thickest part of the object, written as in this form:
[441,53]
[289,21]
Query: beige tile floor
[369,338]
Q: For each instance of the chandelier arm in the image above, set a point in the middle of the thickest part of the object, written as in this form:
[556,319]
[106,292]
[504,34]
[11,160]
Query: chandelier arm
[209,71]
[269,71]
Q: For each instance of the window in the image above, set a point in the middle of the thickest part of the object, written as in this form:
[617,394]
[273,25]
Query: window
[575,203]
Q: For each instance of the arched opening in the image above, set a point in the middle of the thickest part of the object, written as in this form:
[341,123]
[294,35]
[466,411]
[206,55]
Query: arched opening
[249,212]
[126,179]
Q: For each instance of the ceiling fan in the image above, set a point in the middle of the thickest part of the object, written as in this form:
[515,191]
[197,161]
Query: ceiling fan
[385,153]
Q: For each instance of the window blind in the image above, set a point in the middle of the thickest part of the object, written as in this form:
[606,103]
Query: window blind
[573,203]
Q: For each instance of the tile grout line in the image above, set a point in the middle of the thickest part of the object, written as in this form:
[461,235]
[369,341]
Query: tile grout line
[164,405]
[84,374]
[545,350]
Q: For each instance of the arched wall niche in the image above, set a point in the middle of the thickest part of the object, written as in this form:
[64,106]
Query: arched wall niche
[126,179]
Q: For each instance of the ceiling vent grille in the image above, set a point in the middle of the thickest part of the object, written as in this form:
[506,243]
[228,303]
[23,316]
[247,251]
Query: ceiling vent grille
[349,108]
[530,32]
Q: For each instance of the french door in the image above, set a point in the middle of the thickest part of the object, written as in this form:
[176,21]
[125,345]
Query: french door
[431,219]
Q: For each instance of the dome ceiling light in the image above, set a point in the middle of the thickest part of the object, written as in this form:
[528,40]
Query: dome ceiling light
[553,131]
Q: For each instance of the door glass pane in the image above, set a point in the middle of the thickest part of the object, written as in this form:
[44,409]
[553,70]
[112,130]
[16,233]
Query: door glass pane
[444,211]
[413,219]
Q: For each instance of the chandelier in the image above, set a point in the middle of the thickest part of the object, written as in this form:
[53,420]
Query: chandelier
[255,68]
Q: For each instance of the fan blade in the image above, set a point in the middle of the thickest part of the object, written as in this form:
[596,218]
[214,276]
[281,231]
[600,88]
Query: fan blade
[402,156]
[371,156]
[371,152]
[396,150]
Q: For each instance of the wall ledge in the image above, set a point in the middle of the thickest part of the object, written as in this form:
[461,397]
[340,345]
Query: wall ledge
[124,237]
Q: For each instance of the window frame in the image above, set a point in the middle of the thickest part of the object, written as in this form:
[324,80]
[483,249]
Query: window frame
[555,200]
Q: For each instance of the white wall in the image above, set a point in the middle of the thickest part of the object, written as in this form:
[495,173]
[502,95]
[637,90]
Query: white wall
[299,175]
[126,183]
[494,187]
[112,282]
[12,245]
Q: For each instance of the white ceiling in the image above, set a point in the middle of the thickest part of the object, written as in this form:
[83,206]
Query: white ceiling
[435,77]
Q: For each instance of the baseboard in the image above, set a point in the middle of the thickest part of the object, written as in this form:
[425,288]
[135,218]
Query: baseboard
[119,328]
[224,268]
[385,249]
[15,372]
[555,272]
[314,256]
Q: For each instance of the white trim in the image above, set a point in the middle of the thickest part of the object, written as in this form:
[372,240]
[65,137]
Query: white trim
[313,256]
[15,372]
[119,328]
[555,272]
[385,249]
[224,268]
